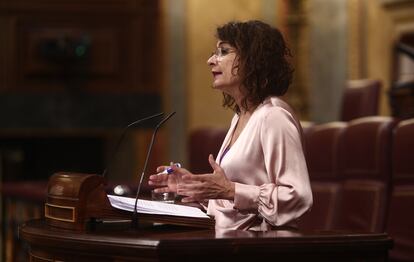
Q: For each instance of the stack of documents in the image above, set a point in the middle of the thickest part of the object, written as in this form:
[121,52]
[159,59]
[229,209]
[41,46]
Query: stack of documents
[155,208]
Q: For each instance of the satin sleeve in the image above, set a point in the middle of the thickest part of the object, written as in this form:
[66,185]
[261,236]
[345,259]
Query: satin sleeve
[288,194]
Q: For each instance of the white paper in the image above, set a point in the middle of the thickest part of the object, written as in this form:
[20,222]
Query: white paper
[154,207]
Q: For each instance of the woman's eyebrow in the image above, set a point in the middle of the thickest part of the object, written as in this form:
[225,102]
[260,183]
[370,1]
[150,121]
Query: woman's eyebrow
[222,43]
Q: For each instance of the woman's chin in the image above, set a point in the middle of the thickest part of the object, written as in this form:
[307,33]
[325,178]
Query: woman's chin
[216,86]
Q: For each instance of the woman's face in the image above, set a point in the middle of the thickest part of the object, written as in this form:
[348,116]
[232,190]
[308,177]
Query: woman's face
[223,66]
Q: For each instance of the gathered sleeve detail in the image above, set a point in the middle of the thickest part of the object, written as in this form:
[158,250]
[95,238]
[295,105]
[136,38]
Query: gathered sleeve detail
[254,199]
[246,198]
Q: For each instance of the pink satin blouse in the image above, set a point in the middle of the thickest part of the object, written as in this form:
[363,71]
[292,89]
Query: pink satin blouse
[268,167]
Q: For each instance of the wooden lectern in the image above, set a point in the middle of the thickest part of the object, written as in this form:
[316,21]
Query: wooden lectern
[174,243]
[76,199]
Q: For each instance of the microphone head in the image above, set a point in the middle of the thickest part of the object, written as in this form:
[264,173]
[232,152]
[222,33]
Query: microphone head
[165,120]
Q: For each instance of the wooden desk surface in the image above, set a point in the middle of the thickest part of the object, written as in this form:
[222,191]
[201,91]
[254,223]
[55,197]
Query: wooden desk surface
[167,243]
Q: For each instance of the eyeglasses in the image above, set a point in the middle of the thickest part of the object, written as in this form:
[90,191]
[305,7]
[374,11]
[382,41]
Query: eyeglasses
[222,51]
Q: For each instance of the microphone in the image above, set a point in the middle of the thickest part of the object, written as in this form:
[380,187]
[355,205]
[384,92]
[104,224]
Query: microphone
[111,159]
[135,214]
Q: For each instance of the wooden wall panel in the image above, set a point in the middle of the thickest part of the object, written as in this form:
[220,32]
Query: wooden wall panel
[41,38]
[106,65]
[89,63]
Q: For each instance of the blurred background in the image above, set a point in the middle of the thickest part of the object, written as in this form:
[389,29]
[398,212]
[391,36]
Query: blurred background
[73,75]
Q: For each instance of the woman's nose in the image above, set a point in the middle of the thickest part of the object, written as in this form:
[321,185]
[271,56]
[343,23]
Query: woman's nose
[211,60]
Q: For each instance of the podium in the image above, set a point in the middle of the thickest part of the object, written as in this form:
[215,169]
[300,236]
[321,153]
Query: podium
[75,199]
[173,243]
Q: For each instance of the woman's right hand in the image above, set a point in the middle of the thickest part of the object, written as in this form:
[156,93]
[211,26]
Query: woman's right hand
[163,182]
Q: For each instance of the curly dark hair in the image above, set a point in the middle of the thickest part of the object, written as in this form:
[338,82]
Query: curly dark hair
[263,61]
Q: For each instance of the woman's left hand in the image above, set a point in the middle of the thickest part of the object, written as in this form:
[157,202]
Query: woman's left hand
[205,186]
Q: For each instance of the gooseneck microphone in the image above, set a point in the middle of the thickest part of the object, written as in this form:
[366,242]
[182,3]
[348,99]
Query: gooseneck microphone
[135,214]
[121,138]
